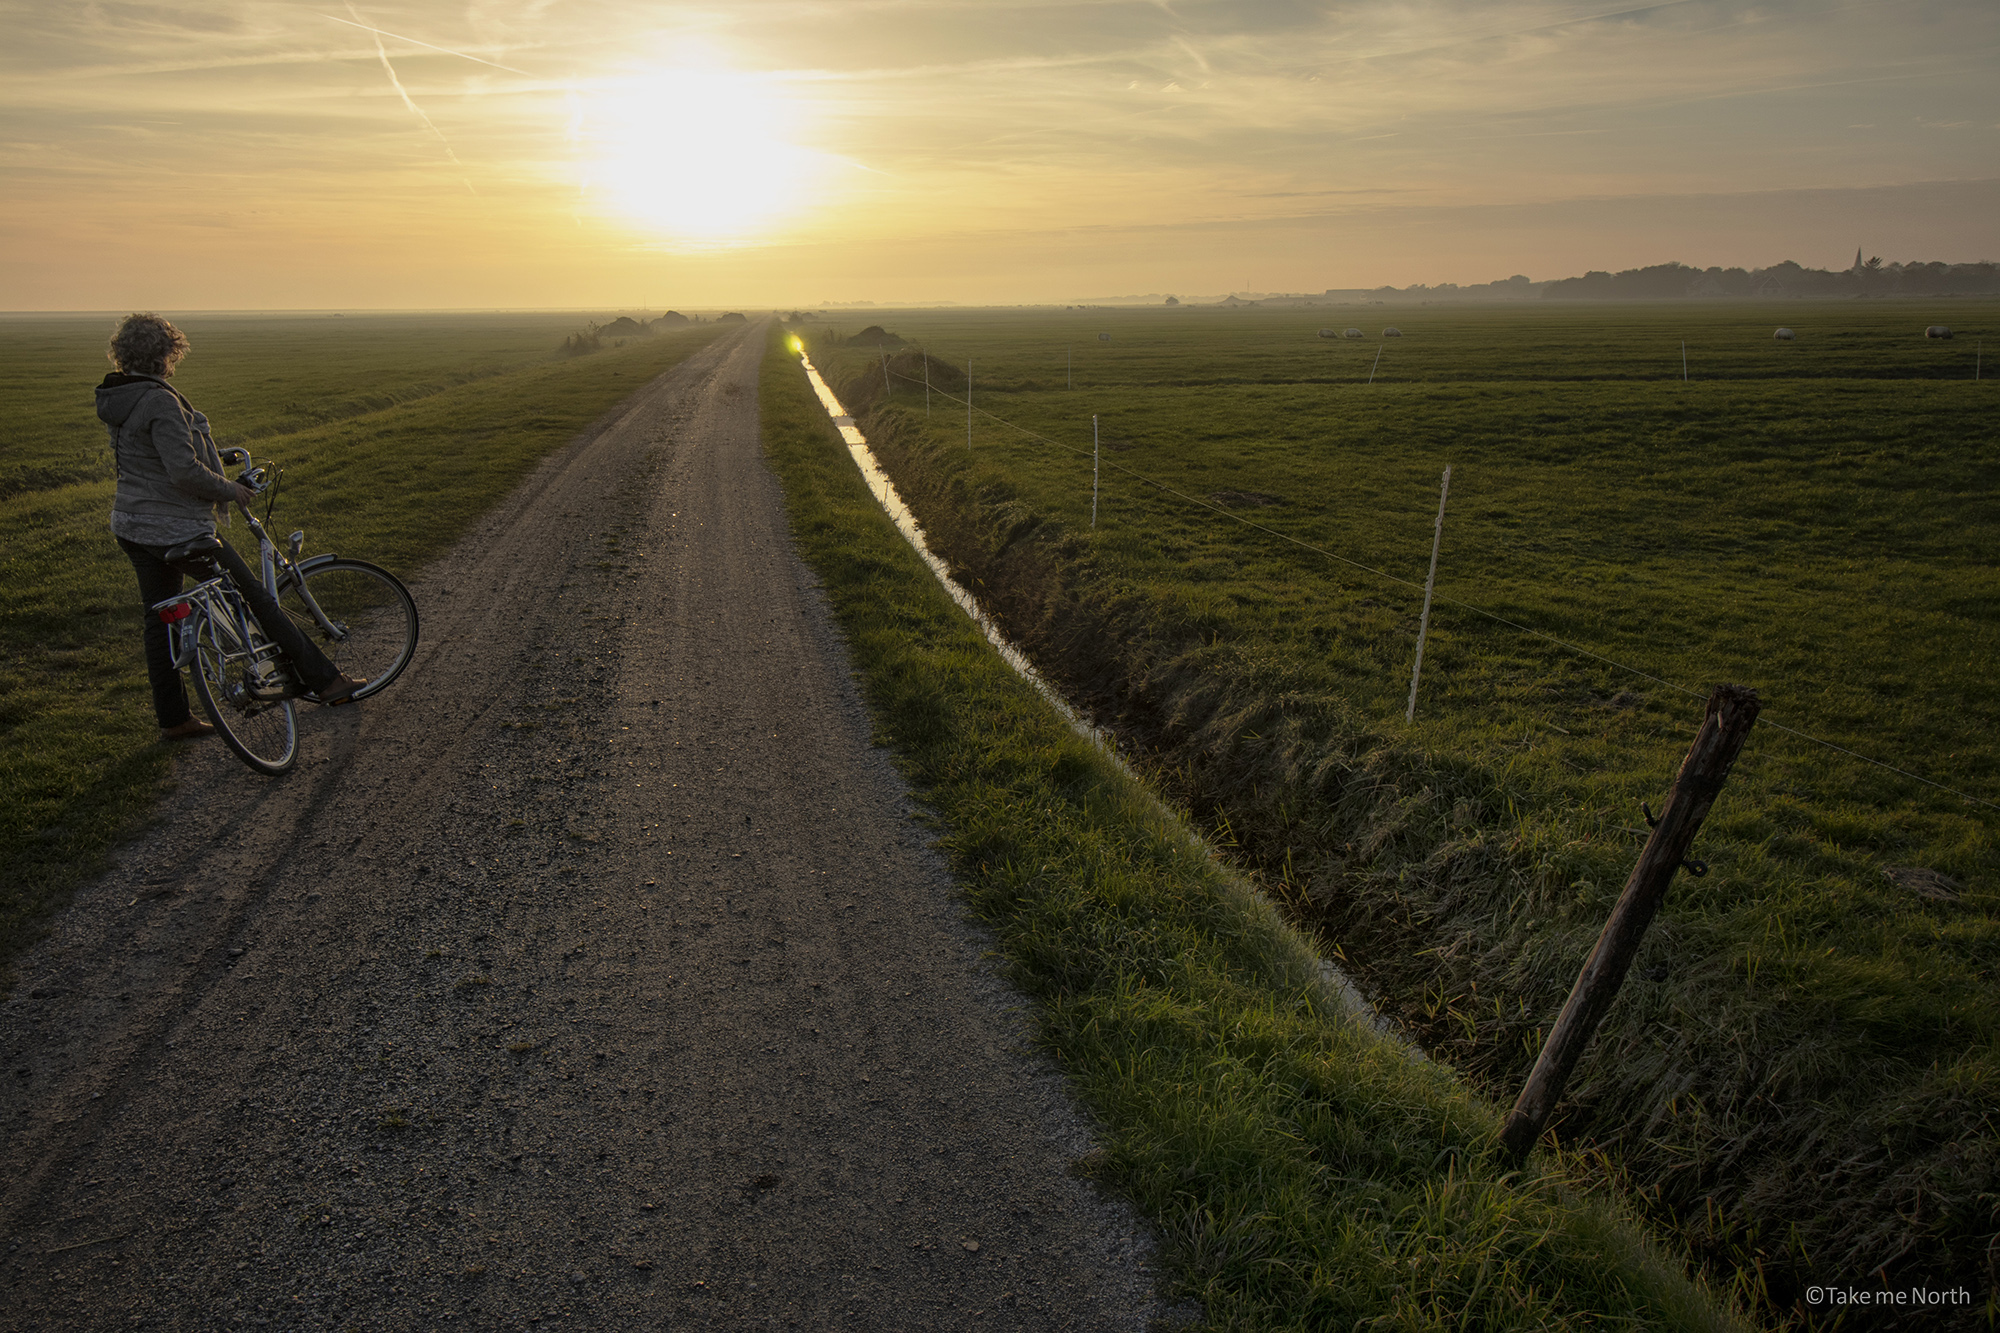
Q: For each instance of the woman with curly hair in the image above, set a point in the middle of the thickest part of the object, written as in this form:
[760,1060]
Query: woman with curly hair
[170,490]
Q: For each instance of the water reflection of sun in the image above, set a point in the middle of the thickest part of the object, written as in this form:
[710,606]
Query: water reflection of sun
[693,155]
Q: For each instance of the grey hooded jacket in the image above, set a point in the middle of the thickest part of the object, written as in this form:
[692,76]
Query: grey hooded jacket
[170,480]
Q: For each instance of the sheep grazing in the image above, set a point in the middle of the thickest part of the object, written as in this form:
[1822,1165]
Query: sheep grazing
[1392,332]
[1938,331]
[1326,333]
[1351,333]
[1784,335]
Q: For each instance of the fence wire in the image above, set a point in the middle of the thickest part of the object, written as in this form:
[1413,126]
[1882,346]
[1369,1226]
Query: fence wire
[1204,503]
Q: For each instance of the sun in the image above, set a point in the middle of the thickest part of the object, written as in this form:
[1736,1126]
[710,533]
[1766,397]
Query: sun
[695,155]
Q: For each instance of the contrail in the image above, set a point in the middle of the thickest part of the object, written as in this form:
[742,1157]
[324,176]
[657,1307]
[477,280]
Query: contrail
[382,54]
[380,33]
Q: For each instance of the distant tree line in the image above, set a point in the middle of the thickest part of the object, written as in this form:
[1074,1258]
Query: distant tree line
[1516,288]
[1872,278]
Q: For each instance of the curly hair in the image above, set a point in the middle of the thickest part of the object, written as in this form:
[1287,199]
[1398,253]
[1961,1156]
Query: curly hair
[146,344]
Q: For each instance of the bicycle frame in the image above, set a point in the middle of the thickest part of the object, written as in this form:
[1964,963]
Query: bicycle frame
[273,563]
[222,606]
[238,635]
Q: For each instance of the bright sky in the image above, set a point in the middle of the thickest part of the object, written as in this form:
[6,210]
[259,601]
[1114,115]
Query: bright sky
[638,154]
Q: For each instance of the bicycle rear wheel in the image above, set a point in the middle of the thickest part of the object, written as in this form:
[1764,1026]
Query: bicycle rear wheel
[368,621]
[264,732]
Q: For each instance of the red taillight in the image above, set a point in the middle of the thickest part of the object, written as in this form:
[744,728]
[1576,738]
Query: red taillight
[178,611]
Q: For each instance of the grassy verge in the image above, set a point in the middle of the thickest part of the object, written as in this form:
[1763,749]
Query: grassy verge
[1802,1074]
[1305,1173]
[79,765]
[255,375]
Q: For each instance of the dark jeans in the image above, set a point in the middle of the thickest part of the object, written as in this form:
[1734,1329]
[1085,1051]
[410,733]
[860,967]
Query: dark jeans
[159,580]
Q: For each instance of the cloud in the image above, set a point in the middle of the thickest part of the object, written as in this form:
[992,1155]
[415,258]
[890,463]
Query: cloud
[970,115]
[444,50]
[382,54]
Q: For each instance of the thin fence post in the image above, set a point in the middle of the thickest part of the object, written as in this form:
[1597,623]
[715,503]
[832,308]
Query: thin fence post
[968,406]
[1724,727]
[1093,469]
[888,390]
[927,383]
[1424,625]
[1379,349]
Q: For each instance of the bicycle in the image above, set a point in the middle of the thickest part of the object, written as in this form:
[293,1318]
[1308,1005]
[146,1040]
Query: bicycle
[360,615]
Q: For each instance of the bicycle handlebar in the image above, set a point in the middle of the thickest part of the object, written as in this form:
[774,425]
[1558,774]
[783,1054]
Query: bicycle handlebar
[255,477]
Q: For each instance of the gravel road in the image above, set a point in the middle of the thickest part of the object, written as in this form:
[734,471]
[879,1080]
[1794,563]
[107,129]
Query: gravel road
[595,974]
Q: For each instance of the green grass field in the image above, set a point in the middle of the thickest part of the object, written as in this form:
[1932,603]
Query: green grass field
[1801,1074]
[1304,1173]
[396,433]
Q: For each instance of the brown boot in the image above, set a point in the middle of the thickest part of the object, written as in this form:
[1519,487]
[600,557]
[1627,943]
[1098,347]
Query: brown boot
[191,730]
[339,691]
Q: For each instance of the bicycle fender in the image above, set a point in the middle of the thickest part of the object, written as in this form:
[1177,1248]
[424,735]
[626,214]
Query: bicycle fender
[313,562]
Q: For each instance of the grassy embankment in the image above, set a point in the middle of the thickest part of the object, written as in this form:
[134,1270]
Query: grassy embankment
[1305,1173]
[1801,1074]
[396,433]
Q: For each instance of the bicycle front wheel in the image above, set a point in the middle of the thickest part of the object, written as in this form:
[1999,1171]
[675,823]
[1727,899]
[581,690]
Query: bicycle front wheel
[360,615]
[263,730]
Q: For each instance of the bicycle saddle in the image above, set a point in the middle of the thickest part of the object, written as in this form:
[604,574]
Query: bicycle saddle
[198,554]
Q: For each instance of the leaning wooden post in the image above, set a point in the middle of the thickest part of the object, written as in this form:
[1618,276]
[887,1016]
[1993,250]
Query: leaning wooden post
[1731,711]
